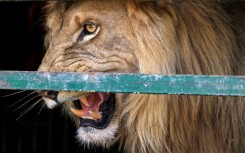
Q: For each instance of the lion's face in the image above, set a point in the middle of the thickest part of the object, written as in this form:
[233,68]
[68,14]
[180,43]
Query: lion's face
[89,38]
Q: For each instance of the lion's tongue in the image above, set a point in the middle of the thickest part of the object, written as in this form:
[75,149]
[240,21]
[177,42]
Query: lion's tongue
[90,106]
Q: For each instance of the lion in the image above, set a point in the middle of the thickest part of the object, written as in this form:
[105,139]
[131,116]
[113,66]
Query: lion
[150,37]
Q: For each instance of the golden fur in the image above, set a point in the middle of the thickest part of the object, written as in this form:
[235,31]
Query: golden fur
[159,37]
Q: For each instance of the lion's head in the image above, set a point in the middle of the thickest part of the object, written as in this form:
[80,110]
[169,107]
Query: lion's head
[154,37]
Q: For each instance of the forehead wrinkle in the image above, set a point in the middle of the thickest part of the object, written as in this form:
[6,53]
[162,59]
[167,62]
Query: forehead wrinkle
[92,10]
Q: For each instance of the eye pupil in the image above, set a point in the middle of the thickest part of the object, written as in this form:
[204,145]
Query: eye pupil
[91,28]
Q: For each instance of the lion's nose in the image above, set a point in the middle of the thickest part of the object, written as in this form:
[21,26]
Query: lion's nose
[48,94]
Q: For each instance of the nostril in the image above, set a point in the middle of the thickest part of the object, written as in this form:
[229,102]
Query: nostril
[48,94]
[52,93]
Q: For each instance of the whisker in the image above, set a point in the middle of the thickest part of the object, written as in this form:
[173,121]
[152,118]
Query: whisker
[15,93]
[25,103]
[39,20]
[43,105]
[28,109]
[21,99]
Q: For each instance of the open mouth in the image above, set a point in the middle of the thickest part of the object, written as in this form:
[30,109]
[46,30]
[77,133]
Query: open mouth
[95,110]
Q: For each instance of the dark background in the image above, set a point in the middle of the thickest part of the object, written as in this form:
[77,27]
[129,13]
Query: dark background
[21,48]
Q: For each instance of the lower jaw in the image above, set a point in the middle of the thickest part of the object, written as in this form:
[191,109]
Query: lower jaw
[102,137]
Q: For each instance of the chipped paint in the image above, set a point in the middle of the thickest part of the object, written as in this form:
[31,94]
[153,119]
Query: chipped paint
[4,84]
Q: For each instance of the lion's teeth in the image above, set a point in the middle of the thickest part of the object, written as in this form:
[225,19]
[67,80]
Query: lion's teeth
[79,113]
[95,115]
[84,101]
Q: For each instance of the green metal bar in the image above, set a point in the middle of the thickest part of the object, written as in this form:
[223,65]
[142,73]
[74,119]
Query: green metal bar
[78,0]
[124,83]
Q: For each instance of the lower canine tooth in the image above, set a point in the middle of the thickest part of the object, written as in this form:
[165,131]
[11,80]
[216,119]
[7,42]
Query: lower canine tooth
[95,114]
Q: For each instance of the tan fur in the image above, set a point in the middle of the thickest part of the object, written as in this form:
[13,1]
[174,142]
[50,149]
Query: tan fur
[168,37]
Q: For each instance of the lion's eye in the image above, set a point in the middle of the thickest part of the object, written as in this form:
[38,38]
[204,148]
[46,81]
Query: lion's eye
[90,28]
[89,31]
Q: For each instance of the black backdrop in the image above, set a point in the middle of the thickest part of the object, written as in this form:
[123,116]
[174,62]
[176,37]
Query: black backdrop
[21,48]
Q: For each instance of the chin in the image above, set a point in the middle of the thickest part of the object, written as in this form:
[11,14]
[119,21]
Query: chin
[103,137]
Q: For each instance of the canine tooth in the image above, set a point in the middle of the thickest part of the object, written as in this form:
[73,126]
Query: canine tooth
[84,101]
[86,117]
[77,112]
[95,114]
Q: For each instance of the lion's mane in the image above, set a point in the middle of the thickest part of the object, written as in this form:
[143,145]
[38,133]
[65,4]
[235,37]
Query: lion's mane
[184,37]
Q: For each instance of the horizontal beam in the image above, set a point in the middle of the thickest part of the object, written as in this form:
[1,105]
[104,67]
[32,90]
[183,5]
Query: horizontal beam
[79,0]
[124,83]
